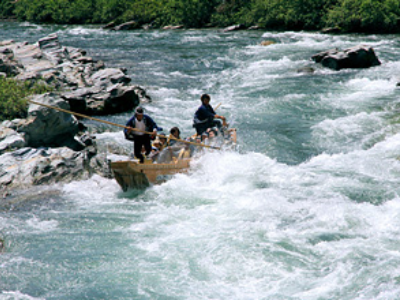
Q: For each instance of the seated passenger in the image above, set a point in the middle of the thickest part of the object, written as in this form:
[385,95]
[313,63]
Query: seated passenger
[173,148]
[155,149]
[175,133]
[163,139]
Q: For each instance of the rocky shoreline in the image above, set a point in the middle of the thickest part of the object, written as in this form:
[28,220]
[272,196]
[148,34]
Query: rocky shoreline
[51,146]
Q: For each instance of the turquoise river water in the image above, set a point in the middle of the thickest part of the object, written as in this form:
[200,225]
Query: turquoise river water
[307,208]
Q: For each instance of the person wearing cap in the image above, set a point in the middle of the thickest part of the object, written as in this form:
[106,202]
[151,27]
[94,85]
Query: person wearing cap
[205,116]
[135,131]
[163,139]
[156,148]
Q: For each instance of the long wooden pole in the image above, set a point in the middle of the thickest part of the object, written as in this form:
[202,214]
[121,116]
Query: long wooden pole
[119,125]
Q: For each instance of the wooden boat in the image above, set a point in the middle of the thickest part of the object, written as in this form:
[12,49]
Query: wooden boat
[134,175]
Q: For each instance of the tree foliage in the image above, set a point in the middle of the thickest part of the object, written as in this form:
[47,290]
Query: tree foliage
[6,8]
[350,15]
[365,15]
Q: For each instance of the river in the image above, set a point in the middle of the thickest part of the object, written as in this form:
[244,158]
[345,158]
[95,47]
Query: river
[307,208]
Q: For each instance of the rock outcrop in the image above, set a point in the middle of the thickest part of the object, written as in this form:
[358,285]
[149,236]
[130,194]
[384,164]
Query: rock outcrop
[356,57]
[51,146]
[47,127]
[86,83]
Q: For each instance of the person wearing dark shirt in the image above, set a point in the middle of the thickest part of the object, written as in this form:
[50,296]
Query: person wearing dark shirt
[141,122]
[205,116]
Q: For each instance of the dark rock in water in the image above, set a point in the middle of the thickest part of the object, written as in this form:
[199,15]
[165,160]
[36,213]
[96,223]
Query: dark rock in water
[356,57]
[2,245]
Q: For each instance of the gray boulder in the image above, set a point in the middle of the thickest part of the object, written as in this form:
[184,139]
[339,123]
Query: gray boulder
[356,57]
[98,100]
[109,76]
[10,140]
[28,166]
[47,127]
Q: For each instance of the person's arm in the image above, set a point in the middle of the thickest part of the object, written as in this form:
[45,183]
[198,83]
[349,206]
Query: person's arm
[127,131]
[222,118]
[152,126]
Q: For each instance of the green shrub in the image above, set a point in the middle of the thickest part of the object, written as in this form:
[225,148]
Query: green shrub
[365,15]
[13,97]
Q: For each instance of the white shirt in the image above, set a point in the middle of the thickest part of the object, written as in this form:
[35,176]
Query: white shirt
[139,125]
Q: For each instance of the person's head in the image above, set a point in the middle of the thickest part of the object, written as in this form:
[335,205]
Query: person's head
[162,137]
[175,132]
[157,143]
[212,133]
[205,99]
[139,113]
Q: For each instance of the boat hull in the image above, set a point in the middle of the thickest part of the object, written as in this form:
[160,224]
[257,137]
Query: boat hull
[133,175]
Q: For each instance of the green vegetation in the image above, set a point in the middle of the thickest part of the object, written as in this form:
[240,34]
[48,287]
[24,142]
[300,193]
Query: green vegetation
[6,9]
[13,96]
[350,15]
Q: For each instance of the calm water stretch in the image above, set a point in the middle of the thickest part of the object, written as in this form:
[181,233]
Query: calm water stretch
[308,208]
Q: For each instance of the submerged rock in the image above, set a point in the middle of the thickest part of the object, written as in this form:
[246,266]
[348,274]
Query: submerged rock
[267,43]
[306,70]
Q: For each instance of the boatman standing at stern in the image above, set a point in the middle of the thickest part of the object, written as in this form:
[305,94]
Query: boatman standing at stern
[205,116]
[141,122]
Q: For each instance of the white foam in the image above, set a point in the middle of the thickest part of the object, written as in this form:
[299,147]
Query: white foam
[84,31]
[14,295]
[42,225]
